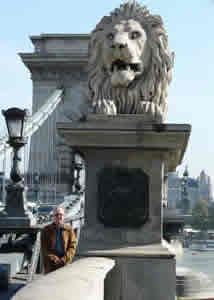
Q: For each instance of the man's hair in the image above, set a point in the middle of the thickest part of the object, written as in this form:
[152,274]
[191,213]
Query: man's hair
[58,208]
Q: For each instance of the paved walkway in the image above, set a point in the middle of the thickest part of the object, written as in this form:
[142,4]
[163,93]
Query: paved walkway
[16,283]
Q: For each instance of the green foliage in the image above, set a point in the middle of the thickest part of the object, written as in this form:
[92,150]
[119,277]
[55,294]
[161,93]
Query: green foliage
[200,216]
[203,215]
[201,208]
[211,217]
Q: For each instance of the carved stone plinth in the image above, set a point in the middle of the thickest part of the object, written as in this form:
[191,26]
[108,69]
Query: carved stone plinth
[124,142]
[127,161]
[142,277]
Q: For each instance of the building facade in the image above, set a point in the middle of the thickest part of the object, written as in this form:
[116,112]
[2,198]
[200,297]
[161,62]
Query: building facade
[195,189]
[205,187]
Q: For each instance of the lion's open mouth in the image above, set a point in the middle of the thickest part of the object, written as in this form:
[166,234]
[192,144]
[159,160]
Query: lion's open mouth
[120,65]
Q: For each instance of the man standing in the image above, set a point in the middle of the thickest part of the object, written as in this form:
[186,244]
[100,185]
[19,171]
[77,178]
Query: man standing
[58,243]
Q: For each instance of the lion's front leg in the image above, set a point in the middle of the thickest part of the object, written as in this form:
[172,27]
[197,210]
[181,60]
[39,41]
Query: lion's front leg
[105,107]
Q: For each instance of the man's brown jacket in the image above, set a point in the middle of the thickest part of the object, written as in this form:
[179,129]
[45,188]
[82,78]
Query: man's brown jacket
[48,243]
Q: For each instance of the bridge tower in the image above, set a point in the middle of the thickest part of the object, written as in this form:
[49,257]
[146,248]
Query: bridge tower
[58,60]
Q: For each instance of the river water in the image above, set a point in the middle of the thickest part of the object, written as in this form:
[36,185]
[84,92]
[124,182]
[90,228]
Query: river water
[200,263]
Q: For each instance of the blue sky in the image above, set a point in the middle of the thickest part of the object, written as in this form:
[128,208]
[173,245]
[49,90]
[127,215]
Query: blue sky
[190,28]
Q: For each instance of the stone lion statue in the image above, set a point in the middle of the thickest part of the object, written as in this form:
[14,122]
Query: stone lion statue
[130,64]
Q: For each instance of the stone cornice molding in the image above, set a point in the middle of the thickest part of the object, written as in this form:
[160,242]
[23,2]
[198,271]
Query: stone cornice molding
[57,74]
[123,132]
[50,60]
[57,51]
[69,36]
[46,43]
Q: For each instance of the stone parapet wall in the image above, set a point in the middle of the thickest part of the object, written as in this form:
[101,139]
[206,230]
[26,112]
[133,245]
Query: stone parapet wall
[84,279]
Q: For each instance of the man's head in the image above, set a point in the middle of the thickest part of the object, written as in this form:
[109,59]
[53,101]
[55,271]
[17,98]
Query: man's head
[59,216]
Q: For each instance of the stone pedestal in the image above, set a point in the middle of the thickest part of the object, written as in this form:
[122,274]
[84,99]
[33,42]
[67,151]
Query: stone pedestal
[149,277]
[16,213]
[126,142]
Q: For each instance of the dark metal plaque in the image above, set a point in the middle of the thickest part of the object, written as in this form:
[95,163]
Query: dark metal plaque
[123,196]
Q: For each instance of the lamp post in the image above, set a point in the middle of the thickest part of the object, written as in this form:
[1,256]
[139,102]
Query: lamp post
[16,212]
[36,187]
[184,192]
[76,168]
[2,188]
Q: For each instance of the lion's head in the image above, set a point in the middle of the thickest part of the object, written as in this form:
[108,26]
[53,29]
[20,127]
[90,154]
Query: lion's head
[130,63]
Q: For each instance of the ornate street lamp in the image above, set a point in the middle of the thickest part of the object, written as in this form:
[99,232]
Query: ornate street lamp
[16,212]
[15,120]
[36,186]
[184,192]
[78,167]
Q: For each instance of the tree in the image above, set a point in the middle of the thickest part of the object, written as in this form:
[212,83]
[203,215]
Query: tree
[200,215]
[211,215]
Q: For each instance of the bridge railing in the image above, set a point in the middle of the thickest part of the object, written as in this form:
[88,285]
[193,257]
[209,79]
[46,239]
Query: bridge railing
[83,279]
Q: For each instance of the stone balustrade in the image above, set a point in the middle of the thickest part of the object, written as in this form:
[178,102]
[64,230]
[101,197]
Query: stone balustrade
[82,280]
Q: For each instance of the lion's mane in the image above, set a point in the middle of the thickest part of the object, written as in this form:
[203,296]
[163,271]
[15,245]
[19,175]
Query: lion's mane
[148,93]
